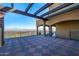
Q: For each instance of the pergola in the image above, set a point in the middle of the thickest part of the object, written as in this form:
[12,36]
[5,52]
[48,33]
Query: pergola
[60,9]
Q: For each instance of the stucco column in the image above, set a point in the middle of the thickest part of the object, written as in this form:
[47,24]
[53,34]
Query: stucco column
[37,29]
[1,29]
[44,28]
[50,30]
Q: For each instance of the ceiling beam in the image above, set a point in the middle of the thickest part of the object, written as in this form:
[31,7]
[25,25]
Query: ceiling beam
[43,8]
[64,10]
[28,14]
[56,8]
[5,9]
[12,5]
[28,7]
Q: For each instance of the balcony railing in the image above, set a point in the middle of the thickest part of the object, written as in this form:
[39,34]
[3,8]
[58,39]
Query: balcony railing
[19,34]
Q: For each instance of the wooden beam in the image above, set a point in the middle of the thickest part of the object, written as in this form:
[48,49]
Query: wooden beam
[28,7]
[64,10]
[2,29]
[12,5]
[5,9]
[43,8]
[28,14]
[55,9]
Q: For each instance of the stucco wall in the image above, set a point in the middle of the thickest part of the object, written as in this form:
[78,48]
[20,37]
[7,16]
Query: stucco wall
[68,29]
[54,5]
[39,22]
[72,15]
[67,24]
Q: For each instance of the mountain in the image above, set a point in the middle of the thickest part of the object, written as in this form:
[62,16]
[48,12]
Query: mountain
[17,29]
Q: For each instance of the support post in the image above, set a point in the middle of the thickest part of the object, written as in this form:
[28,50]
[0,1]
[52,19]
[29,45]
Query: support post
[1,29]
[44,27]
[37,29]
[50,30]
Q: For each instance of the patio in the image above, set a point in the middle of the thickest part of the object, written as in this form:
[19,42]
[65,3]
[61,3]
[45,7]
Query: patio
[39,45]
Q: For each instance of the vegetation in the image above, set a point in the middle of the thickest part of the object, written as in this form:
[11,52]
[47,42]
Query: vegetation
[14,34]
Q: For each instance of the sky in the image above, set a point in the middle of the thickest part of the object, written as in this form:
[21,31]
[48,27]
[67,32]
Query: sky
[13,21]
[17,21]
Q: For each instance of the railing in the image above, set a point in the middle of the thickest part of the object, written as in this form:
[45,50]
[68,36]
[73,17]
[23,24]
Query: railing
[19,34]
[14,34]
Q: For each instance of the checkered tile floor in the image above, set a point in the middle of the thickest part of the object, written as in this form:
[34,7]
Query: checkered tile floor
[39,46]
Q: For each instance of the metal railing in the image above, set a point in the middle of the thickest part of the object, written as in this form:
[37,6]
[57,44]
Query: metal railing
[19,34]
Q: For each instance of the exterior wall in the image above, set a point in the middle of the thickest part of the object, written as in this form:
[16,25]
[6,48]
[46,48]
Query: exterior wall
[54,5]
[67,24]
[68,29]
[39,22]
[72,15]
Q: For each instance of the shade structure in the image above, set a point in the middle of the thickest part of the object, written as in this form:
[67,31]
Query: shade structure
[12,7]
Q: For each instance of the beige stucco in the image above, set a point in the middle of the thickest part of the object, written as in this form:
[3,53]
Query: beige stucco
[54,5]
[72,15]
[39,22]
[68,29]
[67,24]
